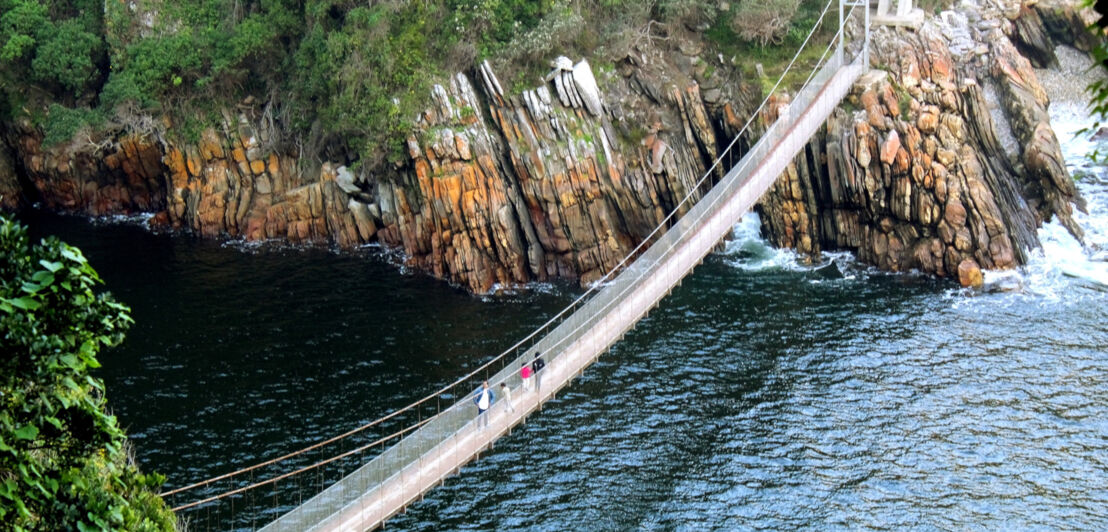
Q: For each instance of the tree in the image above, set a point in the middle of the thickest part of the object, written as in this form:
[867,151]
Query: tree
[65,56]
[63,461]
[20,21]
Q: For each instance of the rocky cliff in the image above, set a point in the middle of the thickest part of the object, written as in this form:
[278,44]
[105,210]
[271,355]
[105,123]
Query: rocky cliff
[561,181]
[222,186]
[558,182]
[75,178]
[943,160]
[918,169]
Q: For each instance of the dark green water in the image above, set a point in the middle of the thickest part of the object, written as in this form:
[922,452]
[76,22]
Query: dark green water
[759,395]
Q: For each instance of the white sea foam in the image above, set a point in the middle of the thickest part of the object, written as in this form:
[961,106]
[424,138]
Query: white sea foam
[1063,267]
[138,218]
[747,250]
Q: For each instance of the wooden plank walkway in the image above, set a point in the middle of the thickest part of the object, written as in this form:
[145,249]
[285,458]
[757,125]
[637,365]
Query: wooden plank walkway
[377,499]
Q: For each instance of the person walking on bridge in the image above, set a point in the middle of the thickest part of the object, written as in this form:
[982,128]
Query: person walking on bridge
[525,375]
[506,392]
[483,399]
[536,369]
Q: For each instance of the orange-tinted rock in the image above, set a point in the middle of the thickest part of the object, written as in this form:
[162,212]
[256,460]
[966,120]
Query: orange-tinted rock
[944,193]
[890,147]
[969,274]
[928,121]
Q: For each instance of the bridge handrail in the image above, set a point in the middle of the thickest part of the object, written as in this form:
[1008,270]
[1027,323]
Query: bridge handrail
[394,460]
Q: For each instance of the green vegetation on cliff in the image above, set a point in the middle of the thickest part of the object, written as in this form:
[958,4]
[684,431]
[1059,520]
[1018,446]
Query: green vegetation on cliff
[64,461]
[335,76]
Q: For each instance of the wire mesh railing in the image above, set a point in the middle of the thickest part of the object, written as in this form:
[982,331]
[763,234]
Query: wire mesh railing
[453,423]
[396,441]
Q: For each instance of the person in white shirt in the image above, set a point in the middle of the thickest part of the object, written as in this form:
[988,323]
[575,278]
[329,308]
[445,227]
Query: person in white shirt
[507,393]
[483,399]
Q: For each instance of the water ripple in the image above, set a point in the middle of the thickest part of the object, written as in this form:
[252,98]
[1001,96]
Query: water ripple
[751,399]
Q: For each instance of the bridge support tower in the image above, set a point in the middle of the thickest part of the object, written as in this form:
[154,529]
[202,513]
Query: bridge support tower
[844,9]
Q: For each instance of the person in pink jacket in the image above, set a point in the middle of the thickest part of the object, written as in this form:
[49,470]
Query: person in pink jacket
[525,374]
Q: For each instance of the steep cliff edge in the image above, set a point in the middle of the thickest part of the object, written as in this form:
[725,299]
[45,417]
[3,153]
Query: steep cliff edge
[922,168]
[560,181]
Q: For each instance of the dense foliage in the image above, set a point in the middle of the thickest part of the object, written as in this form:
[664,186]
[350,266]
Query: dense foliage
[63,461]
[333,72]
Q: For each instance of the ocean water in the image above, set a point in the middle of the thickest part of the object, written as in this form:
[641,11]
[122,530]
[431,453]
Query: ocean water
[762,394]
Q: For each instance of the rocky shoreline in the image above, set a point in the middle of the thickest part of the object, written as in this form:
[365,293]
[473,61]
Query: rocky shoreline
[911,173]
[914,171]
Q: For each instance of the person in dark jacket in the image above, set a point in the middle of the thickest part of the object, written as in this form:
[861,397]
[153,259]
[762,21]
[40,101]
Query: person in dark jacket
[483,399]
[536,369]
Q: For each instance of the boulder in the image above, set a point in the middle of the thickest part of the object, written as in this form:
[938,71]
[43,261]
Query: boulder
[969,274]
[890,147]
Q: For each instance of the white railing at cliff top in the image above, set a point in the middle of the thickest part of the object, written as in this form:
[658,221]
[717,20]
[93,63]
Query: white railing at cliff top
[597,319]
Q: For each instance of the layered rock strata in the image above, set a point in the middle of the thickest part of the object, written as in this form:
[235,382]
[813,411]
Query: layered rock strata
[919,169]
[922,168]
[226,184]
[222,186]
[559,182]
[71,177]
[555,182]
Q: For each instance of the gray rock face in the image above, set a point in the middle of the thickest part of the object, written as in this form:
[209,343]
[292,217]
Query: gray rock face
[553,190]
[586,87]
[345,180]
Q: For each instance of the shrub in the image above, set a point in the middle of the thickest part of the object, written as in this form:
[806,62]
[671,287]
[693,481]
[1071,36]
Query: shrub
[58,44]
[121,88]
[65,55]
[764,21]
[62,123]
[20,23]
[64,460]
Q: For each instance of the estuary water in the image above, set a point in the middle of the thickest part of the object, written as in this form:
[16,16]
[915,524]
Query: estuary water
[760,395]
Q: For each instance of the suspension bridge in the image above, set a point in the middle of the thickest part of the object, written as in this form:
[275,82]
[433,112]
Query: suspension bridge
[396,459]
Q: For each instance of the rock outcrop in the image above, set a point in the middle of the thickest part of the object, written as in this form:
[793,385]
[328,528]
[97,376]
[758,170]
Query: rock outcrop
[227,185]
[559,182]
[1039,27]
[72,178]
[10,191]
[223,186]
[922,169]
[550,183]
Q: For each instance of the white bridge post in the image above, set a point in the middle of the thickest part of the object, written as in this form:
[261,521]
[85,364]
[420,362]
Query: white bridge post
[842,34]
[864,5]
[865,41]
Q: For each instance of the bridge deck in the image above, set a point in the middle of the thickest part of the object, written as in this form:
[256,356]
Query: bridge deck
[388,483]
